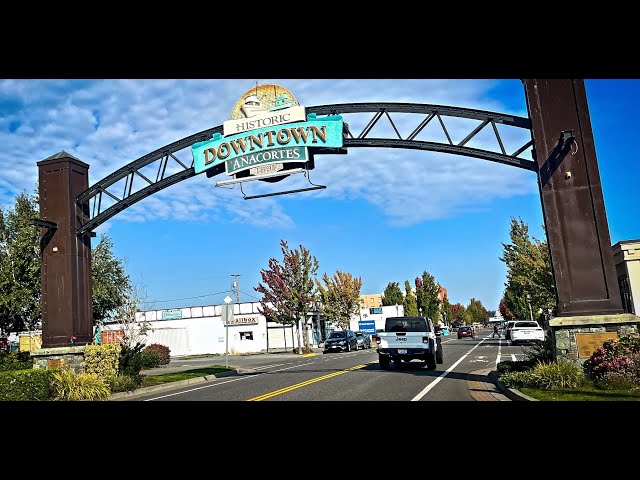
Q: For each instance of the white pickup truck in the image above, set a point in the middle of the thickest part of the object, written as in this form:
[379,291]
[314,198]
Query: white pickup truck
[406,339]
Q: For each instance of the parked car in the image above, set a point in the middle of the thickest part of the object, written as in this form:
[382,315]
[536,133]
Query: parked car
[525,331]
[507,329]
[440,330]
[363,339]
[341,341]
[465,331]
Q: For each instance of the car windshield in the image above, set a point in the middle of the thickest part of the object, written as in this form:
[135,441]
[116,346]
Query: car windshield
[406,324]
[526,325]
[359,334]
[464,329]
[337,335]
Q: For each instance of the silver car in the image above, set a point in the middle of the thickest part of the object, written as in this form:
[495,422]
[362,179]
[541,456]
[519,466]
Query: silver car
[364,340]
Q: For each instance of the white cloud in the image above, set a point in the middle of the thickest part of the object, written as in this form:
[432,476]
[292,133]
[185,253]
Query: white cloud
[110,123]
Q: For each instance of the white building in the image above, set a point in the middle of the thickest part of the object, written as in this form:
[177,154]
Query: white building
[200,330]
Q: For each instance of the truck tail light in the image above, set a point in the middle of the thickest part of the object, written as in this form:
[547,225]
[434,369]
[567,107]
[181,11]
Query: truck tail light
[376,338]
[425,340]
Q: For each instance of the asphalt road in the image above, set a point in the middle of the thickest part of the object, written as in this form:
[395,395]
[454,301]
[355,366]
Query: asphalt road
[343,377]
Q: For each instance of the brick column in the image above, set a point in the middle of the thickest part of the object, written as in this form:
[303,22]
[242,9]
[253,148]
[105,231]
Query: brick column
[572,200]
[66,259]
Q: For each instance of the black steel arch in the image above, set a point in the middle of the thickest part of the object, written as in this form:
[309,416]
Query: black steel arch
[91,199]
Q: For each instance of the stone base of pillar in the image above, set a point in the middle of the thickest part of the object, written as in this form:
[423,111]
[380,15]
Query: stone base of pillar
[57,357]
[576,338]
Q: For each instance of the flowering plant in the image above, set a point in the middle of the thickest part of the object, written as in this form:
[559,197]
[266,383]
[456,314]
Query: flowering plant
[621,355]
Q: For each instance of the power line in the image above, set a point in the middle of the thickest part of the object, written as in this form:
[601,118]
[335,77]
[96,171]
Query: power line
[186,298]
[249,295]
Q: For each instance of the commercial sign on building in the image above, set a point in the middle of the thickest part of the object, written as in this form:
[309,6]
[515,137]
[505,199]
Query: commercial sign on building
[267,127]
[243,320]
[172,314]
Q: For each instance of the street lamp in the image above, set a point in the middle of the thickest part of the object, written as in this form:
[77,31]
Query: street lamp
[529,303]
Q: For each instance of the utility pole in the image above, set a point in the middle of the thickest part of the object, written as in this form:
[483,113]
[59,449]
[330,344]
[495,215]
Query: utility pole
[235,286]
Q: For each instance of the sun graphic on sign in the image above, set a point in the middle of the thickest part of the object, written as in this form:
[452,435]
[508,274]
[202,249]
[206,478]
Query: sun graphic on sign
[261,99]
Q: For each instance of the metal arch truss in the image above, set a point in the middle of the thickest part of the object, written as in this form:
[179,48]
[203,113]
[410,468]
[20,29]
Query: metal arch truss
[91,199]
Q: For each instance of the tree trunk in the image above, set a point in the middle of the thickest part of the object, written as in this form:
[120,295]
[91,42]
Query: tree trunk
[305,334]
[299,337]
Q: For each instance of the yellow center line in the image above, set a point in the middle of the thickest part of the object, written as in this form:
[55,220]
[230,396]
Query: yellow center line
[302,384]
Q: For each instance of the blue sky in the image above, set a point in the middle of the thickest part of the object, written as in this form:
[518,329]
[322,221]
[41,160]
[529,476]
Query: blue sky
[386,215]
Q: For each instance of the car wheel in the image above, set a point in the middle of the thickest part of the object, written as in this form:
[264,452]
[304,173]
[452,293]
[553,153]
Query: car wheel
[383,360]
[431,362]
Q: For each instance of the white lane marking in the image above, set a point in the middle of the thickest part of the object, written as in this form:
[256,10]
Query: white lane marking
[263,367]
[428,388]
[222,383]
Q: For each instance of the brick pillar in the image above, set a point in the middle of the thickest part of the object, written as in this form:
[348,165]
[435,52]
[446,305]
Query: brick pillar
[66,259]
[572,200]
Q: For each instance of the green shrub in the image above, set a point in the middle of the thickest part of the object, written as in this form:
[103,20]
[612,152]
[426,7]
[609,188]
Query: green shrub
[124,383]
[620,380]
[508,366]
[31,385]
[555,375]
[68,385]
[130,360]
[15,361]
[546,376]
[516,379]
[150,359]
[102,360]
[163,352]
[540,350]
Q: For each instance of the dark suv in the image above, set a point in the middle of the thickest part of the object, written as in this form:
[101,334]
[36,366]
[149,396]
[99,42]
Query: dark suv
[465,332]
[341,341]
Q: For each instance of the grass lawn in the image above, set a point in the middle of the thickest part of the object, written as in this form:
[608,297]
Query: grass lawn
[174,377]
[582,394]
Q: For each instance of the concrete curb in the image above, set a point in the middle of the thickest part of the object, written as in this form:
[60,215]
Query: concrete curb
[511,393]
[180,383]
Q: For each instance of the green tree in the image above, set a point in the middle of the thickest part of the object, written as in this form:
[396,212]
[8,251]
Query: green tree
[409,302]
[428,296]
[458,312]
[289,290]
[339,297]
[529,273]
[476,312]
[126,314]
[447,314]
[20,277]
[504,310]
[392,295]
[20,289]
[111,286]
